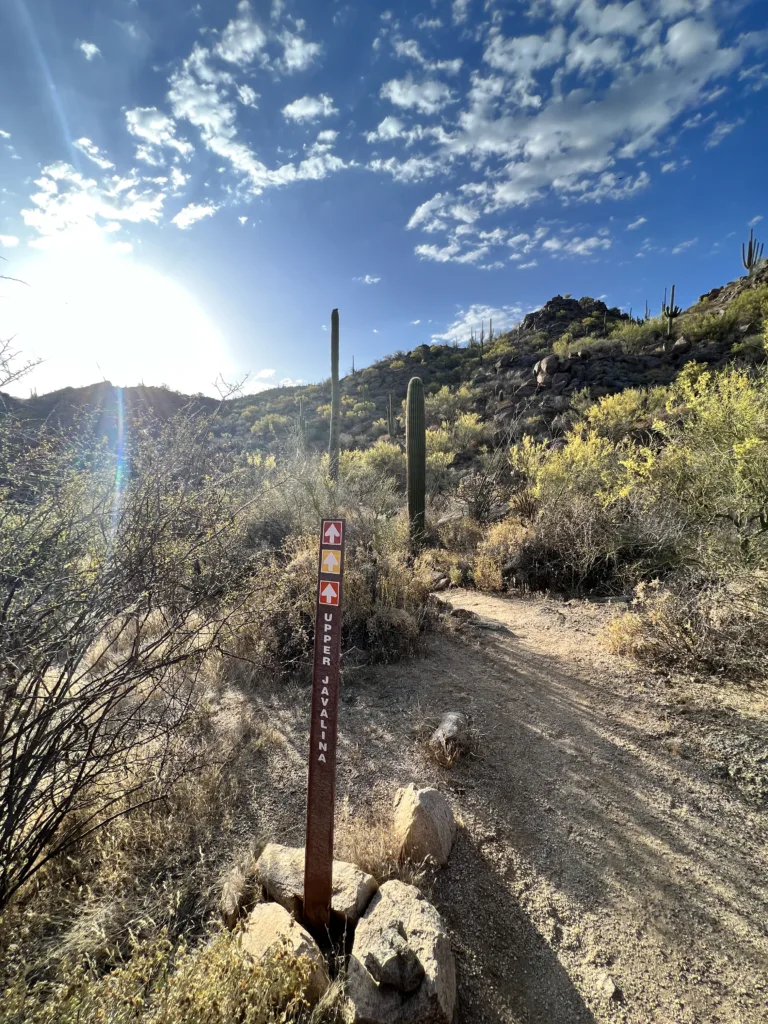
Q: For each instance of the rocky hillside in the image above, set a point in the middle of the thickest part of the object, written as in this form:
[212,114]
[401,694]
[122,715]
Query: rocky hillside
[525,380]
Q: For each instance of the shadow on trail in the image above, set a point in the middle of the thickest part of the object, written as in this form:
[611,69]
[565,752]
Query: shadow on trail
[507,971]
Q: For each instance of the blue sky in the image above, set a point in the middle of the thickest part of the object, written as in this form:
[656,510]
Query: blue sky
[188,189]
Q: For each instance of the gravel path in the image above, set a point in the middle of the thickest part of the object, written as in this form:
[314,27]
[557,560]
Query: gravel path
[606,870]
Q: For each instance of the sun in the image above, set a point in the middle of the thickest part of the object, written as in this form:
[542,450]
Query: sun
[101,314]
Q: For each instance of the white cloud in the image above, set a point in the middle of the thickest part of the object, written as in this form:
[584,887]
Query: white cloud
[756,77]
[70,208]
[413,169]
[156,130]
[637,223]
[309,108]
[247,96]
[264,374]
[89,50]
[388,129]
[721,131]
[618,19]
[669,167]
[576,246]
[682,246]
[8,241]
[242,39]
[424,216]
[4,135]
[429,96]
[438,254]
[191,214]
[415,321]
[298,54]
[460,11]
[503,318]
[93,153]
[755,221]
[368,279]
[243,220]
[690,39]
[410,49]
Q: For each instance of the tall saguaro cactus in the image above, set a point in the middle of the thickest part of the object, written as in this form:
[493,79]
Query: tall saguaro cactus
[416,459]
[391,428]
[752,253]
[333,444]
[671,311]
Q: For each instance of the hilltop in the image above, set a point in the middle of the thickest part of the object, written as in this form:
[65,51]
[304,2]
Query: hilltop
[523,380]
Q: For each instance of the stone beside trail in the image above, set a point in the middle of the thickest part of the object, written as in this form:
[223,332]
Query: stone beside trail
[270,926]
[424,826]
[280,872]
[402,969]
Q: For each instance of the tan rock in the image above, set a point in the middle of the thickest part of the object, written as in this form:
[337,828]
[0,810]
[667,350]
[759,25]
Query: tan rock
[280,870]
[268,926]
[424,825]
[401,941]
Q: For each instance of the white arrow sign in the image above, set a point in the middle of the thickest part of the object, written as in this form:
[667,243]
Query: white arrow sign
[332,534]
[331,562]
[329,594]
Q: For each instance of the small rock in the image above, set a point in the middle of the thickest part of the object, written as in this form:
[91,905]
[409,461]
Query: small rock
[452,735]
[400,909]
[424,825]
[269,925]
[280,870]
[608,987]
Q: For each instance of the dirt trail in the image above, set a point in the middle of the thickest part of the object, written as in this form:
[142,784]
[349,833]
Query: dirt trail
[596,839]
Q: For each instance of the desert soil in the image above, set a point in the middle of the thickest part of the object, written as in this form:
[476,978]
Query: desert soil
[611,862]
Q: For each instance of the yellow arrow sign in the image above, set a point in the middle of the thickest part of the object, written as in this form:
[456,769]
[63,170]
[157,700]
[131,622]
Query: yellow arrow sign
[330,561]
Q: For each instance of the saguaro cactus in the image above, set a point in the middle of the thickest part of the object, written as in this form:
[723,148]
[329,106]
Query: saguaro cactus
[671,311]
[416,459]
[302,423]
[333,444]
[752,253]
[391,427]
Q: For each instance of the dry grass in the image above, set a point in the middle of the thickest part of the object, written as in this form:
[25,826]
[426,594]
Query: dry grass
[365,836]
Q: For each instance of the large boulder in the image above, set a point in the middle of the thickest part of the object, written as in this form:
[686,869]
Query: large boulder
[401,970]
[270,927]
[280,871]
[423,826]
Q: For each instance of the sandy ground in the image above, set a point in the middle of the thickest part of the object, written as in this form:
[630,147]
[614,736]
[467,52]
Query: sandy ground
[605,832]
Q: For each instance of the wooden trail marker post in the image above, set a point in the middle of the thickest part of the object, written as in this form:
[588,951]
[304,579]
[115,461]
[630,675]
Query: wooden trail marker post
[321,789]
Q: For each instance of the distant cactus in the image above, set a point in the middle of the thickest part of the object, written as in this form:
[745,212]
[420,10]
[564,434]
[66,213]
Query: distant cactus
[333,444]
[302,423]
[490,332]
[671,311]
[752,253]
[416,459]
[391,427]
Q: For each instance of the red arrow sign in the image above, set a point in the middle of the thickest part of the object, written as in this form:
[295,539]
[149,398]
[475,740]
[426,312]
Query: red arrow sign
[332,531]
[329,593]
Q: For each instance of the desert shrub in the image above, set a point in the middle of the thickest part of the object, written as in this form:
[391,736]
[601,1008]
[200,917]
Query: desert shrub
[445,406]
[468,431]
[693,622]
[615,416]
[710,326]
[166,984]
[634,337]
[120,574]
[484,493]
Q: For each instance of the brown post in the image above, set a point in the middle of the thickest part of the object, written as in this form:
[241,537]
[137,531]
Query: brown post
[321,789]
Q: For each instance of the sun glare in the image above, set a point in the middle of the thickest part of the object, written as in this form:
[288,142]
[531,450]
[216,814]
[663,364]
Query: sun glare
[103,315]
